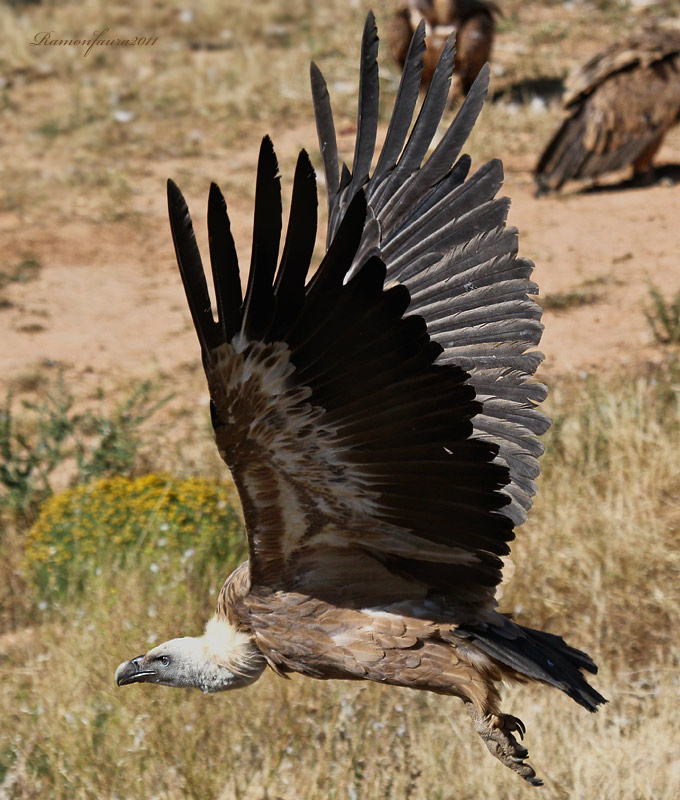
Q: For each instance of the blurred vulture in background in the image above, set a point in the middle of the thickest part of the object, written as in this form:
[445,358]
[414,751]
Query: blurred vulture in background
[621,104]
[471,20]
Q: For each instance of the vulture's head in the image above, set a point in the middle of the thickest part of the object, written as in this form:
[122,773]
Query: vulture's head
[223,658]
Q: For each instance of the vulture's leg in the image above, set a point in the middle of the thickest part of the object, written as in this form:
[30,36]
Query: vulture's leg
[497,731]
[473,49]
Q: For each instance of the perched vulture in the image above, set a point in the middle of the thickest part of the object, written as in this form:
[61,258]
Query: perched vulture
[379,420]
[471,20]
[620,106]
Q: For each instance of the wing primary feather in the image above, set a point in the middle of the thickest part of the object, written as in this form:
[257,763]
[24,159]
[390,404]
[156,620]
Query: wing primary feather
[404,106]
[191,269]
[325,129]
[429,116]
[340,255]
[446,152]
[367,117]
[224,263]
[289,288]
[258,308]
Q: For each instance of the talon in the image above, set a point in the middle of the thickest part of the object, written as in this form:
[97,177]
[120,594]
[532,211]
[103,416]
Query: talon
[496,731]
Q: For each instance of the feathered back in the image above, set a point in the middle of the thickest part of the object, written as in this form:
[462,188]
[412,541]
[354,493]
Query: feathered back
[620,106]
[640,51]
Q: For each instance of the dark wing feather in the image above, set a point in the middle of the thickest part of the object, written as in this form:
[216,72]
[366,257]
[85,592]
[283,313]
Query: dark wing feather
[392,425]
[444,238]
[385,195]
[367,117]
[404,106]
[258,308]
[325,130]
[297,252]
[191,269]
[225,271]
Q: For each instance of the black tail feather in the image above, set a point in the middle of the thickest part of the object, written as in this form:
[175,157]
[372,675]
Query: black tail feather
[539,655]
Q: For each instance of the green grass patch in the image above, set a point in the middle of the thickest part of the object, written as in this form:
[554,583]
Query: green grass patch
[51,435]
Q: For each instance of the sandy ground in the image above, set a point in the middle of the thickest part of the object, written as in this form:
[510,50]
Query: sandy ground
[108,306]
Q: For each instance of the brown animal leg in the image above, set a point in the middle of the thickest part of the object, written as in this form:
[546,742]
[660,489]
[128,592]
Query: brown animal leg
[496,731]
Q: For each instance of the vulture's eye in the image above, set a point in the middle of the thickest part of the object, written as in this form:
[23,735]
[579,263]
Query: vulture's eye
[165,660]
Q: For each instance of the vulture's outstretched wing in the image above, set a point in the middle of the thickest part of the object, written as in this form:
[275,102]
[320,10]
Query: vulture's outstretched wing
[444,238]
[620,105]
[381,439]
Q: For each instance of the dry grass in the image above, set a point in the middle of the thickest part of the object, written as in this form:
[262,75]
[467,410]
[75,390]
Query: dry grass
[598,562]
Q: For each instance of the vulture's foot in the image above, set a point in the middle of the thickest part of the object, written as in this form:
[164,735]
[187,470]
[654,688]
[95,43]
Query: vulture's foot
[662,175]
[497,731]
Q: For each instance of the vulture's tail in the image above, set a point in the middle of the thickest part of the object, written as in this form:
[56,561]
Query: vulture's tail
[538,655]
[580,150]
[565,155]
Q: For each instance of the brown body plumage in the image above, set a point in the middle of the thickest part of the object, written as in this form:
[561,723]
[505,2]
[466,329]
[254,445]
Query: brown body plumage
[620,106]
[471,20]
[379,420]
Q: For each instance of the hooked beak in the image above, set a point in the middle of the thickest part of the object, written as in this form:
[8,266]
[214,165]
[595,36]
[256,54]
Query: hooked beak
[132,672]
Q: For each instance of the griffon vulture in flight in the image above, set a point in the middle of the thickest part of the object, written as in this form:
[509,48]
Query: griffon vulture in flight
[379,420]
[620,106]
[471,20]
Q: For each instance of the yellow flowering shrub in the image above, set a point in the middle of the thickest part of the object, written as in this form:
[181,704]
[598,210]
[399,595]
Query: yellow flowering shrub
[119,521]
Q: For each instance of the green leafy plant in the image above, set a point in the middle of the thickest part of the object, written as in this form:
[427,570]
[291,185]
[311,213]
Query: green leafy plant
[121,521]
[52,433]
[664,316]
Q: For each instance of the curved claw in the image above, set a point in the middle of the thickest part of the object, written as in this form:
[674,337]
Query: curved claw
[521,728]
[496,731]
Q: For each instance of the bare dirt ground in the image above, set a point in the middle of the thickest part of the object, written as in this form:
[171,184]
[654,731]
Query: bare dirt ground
[107,304]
